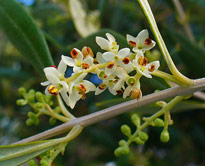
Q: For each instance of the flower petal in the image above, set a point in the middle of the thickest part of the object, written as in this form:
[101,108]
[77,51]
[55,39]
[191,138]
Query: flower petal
[148,47]
[80,55]
[108,71]
[110,37]
[52,78]
[143,35]
[51,70]
[130,38]
[77,69]
[103,43]
[98,91]
[121,73]
[65,97]
[89,86]
[112,91]
[123,53]
[118,85]
[99,58]
[69,61]
[46,91]
[46,83]
[88,60]
[152,69]
[73,98]
[108,56]
[62,67]
[127,91]
[65,86]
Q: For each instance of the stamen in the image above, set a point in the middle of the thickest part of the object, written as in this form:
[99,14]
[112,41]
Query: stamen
[145,61]
[136,94]
[83,97]
[132,43]
[53,90]
[102,86]
[151,69]
[85,66]
[53,66]
[126,60]
[74,53]
[87,51]
[82,89]
[110,65]
[119,92]
[148,42]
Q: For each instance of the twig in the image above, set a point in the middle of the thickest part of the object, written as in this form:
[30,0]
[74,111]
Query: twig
[182,15]
[116,110]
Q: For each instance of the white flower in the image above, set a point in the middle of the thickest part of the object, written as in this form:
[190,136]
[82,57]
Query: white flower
[117,59]
[142,42]
[108,45]
[56,81]
[77,61]
[78,89]
[107,82]
[133,89]
[123,76]
[142,65]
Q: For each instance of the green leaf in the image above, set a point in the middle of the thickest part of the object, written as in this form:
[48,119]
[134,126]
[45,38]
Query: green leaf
[24,34]
[191,54]
[12,155]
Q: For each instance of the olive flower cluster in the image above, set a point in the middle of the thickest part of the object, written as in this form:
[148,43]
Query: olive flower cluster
[114,67]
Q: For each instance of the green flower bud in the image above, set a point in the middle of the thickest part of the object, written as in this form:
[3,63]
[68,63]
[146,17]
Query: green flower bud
[22,91]
[32,163]
[139,141]
[143,136]
[39,96]
[39,105]
[159,122]
[125,150]
[52,121]
[51,103]
[57,110]
[21,102]
[29,121]
[48,98]
[44,162]
[31,98]
[126,130]
[122,142]
[31,92]
[31,115]
[135,119]
[118,152]
[164,137]
[36,121]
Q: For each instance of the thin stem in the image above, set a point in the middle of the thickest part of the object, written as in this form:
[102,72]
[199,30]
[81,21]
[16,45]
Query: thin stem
[150,17]
[117,110]
[184,22]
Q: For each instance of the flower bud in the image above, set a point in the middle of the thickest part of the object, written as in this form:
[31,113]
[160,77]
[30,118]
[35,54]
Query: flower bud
[31,98]
[32,163]
[143,136]
[57,110]
[22,91]
[126,130]
[39,96]
[48,98]
[21,102]
[29,121]
[52,121]
[44,162]
[31,92]
[139,141]
[36,121]
[87,51]
[118,152]
[125,150]
[158,122]
[122,142]
[31,115]
[39,105]
[136,94]
[164,137]
[135,119]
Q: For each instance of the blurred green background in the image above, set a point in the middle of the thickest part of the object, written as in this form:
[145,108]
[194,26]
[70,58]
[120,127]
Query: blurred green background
[95,146]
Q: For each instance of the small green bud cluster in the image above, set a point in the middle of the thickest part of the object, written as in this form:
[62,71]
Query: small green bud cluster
[123,149]
[37,101]
[32,163]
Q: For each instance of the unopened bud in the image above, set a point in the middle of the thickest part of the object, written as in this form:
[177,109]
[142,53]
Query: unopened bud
[136,94]
[135,119]
[32,163]
[52,121]
[159,122]
[29,121]
[39,96]
[126,130]
[31,115]
[139,141]
[22,91]
[87,51]
[125,150]
[164,137]
[122,142]
[21,102]
[44,162]
[143,136]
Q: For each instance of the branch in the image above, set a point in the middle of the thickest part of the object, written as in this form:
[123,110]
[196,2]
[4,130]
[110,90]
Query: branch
[116,110]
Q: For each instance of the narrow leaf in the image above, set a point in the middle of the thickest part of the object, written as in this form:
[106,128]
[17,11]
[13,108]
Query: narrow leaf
[24,34]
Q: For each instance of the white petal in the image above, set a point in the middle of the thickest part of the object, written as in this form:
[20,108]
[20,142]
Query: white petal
[130,38]
[89,86]
[127,91]
[46,91]
[45,83]
[103,43]
[148,47]
[108,71]
[51,70]
[88,60]
[155,63]
[62,67]
[123,53]
[98,91]
[110,37]
[99,58]
[108,56]
[73,98]
[65,97]
[118,85]
[67,60]
[112,91]
[143,35]
[80,55]
[77,69]
[65,86]
[127,67]
[52,78]
[121,73]
[80,78]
